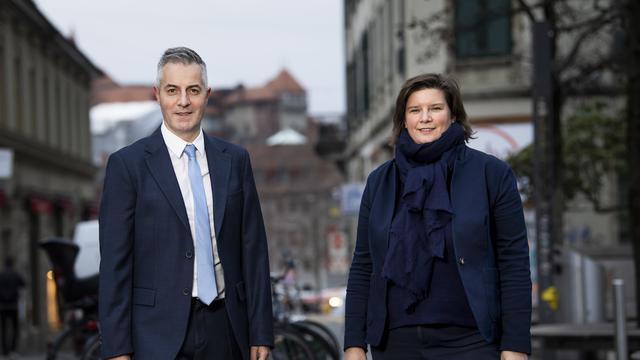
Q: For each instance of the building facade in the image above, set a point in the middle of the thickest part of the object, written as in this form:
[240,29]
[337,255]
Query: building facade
[44,126]
[252,114]
[296,189]
[487,47]
[388,42]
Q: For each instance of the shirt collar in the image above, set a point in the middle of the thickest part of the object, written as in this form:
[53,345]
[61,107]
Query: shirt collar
[176,145]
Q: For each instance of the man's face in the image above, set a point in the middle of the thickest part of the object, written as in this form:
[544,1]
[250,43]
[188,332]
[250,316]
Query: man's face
[183,98]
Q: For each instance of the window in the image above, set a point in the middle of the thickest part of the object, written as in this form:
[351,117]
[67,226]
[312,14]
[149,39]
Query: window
[62,115]
[364,75]
[293,101]
[46,102]
[72,118]
[31,125]
[17,91]
[352,96]
[3,104]
[483,28]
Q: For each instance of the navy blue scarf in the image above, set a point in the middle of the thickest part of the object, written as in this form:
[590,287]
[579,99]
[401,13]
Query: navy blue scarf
[418,231]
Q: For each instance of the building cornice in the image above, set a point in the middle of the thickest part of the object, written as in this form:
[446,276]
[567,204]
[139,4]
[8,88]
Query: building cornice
[28,149]
[51,36]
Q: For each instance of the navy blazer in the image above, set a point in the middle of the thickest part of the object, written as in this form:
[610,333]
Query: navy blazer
[146,268]
[490,241]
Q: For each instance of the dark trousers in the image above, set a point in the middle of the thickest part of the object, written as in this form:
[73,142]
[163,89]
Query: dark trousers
[434,343]
[209,334]
[9,319]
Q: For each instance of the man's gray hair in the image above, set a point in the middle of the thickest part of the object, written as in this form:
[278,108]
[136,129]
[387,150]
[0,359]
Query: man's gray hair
[181,55]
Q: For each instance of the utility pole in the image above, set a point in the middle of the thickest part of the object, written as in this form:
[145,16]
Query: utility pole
[632,30]
[542,114]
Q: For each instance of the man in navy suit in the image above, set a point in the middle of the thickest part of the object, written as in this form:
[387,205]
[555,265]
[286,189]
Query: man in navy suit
[184,270]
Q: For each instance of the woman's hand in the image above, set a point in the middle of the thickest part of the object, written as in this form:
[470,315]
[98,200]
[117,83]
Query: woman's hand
[355,353]
[512,355]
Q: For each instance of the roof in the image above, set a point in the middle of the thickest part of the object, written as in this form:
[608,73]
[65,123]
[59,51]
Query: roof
[286,136]
[107,91]
[105,115]
[256,94]
[284,82]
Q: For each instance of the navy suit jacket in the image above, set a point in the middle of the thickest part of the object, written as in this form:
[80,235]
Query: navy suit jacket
[489,237]
[146,268]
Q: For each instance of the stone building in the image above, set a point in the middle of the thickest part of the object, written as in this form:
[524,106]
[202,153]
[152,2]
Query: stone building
[386,44]
[255,113]
[487,47]
[296,185]
[296,189]
[44,124]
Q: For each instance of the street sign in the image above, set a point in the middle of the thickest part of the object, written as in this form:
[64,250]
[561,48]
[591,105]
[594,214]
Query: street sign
[6,163]
[351,196]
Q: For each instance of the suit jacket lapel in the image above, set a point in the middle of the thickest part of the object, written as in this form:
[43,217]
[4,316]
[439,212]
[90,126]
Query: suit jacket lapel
[159,164]
[219,170]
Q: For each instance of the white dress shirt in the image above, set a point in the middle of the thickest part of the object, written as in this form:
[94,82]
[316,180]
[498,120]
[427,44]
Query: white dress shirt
[180,164]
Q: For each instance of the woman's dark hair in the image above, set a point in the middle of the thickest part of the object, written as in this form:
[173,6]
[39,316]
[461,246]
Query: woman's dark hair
[431,81]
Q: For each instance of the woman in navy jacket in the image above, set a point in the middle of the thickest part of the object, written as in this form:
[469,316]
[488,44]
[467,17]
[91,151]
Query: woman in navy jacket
[441,264]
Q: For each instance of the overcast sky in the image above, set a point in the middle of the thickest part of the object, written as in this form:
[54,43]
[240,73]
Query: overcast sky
[245,41]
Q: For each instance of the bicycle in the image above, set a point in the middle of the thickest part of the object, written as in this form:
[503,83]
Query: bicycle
[318,342]
[92,349]
[77,300]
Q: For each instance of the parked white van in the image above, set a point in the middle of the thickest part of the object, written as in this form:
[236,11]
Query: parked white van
[86,236]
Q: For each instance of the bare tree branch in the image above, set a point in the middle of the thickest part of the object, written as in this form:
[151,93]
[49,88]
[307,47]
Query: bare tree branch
[603,17]
[584,73]
[524,7]
[569,59]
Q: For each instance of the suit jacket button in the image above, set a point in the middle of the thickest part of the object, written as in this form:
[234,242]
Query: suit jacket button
[461,260]
[189,254]
[186,292]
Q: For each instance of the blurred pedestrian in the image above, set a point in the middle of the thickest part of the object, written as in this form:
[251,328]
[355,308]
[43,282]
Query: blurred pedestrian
[441,263]
[184,270]
[10,284]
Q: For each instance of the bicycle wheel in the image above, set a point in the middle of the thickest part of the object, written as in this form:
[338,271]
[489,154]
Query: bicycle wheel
[92,349]
[320,347]
[324,331]
[289,346]
[62,347]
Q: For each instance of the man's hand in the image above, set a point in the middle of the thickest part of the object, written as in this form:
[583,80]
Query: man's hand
[259,353]
[355,353]
[121,357]
[512,355]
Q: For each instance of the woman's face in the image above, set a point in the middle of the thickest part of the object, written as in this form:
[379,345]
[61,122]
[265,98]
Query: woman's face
[427,115]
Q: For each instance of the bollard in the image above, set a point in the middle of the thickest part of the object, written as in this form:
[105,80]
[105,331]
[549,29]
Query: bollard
[621,320]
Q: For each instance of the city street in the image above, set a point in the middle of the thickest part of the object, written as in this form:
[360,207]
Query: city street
[334,322]
[458,163]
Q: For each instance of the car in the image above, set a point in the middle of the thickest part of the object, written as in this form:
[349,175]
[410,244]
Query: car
[86,236]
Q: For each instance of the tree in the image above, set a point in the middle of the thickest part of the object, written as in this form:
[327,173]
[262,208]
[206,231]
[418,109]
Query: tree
[594,148]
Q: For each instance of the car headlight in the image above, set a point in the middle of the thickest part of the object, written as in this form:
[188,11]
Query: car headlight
[335,302]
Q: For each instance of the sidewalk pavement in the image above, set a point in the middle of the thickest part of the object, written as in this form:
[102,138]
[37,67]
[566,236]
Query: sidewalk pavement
[23,357]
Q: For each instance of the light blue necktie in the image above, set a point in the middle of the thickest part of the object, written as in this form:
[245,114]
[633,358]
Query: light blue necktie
[207,289]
